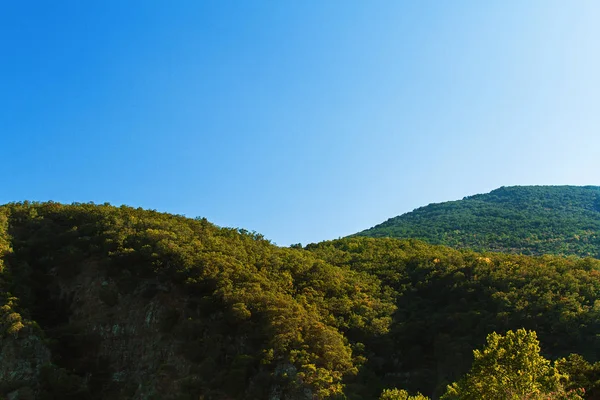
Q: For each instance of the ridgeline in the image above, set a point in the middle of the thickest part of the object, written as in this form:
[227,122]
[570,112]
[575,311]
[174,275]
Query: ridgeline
[531,220]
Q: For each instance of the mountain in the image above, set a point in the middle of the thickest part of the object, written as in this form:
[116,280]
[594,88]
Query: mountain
[533,220]
[100,302]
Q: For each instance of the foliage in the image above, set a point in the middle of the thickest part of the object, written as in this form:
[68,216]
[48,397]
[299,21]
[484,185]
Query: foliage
[509,367]
[530,220]
[400,394]
[448,301]
[582,374]
[269,307]
[344,318]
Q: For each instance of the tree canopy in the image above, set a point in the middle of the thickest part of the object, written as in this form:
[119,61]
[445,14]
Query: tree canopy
[346,319]
[532,220]
[509,367]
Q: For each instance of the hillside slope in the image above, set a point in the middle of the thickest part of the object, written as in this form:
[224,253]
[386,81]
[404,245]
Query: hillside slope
[530,220]
[100,302]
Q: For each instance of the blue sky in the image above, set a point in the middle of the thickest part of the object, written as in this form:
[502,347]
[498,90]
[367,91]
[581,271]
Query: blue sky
[302,120]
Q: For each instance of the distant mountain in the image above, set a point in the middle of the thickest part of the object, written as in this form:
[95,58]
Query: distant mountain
[530,220]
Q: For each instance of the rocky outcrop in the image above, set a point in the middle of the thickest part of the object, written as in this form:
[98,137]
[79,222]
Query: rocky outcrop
[23,356]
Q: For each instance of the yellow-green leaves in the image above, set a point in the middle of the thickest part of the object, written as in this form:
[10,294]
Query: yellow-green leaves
[400,394]
[509,367]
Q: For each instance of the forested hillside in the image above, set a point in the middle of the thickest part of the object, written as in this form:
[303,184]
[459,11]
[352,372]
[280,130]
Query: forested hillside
[103,302]
[530,220]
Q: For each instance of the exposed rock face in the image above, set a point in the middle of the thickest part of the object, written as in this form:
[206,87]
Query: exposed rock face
[123,339]
[125,334]
[128,333]
[22,357]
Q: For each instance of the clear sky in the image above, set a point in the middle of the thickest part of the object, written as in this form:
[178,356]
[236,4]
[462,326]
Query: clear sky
[301,120]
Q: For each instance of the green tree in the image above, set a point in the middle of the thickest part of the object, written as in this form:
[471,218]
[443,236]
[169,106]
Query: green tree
[400,394]
[510,367]
[582,374]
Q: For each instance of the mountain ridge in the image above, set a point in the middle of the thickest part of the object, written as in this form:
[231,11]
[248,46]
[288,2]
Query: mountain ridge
[533,220]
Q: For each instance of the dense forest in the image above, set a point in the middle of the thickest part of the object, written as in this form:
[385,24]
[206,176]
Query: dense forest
[104,302]
[532,220]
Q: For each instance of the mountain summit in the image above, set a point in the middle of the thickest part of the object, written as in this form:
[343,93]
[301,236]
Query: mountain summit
[531,220]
